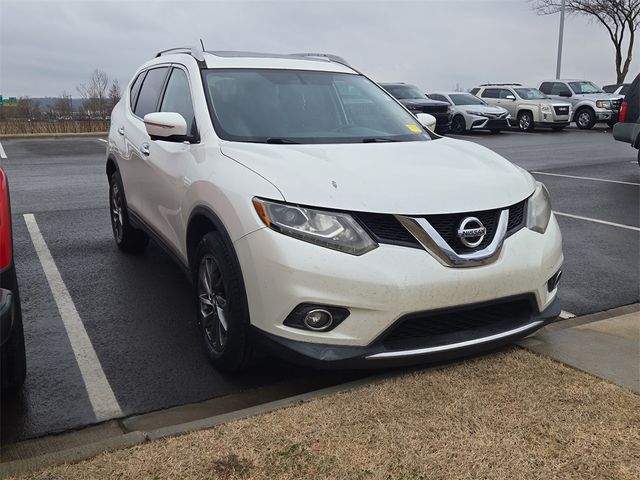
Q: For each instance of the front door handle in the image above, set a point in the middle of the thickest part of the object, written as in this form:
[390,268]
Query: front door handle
[121,130]
[144,149]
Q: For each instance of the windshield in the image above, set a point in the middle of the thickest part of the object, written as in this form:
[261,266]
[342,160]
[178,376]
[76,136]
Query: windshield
[530,93]
[465,99]
[585,87]
[295,106]
[405,92]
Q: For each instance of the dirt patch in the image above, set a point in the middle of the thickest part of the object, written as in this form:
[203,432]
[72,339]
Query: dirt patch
[513,414]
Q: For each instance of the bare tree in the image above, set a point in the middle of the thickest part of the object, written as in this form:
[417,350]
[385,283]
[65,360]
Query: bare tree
[96,102]
[114,94]
[63,106]
[27,108]
[620,18]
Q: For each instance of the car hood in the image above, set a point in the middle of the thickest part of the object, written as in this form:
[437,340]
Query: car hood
[481,108]
[597,96]
[418,102]
[438,176]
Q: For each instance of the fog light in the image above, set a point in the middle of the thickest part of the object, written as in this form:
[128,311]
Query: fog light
[318,319]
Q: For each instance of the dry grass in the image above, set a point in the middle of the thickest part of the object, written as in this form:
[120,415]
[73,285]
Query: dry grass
[509,415]
[13,127]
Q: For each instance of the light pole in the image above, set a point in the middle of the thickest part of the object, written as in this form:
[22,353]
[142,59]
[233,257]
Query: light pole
[560,38]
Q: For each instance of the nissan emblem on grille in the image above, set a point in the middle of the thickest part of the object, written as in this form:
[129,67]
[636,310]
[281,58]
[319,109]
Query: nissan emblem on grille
[471,232]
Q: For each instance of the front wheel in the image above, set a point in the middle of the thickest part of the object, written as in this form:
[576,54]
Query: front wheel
[585,119]
[458,125]
[127,238]
[525,121]
[222,311]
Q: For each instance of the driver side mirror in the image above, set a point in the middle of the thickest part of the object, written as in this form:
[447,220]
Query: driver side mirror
[427,121]
[166,126]
[565,93]
[510,97]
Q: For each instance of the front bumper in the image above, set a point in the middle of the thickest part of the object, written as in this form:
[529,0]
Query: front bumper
[483,123]
[380,355]
[385,284]
[559,123]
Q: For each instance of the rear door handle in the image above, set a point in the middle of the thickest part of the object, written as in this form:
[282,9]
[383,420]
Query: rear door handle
[144,149]
[121,130]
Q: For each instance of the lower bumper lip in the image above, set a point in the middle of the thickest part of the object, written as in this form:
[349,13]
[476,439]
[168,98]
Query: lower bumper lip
[376,355]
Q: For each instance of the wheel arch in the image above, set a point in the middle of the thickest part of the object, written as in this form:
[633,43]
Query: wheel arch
[203,220]
[111,166]
[580,107]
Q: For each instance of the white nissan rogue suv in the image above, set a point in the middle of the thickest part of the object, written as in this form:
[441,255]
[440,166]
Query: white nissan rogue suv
[318,218]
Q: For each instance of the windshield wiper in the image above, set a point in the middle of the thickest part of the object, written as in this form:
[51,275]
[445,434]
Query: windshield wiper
[281,141]
[378,139]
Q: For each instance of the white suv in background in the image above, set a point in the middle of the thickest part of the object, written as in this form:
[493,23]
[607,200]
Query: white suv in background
[529,106]
[317,217]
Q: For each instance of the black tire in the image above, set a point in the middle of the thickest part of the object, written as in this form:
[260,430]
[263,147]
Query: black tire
[13,358]
[525,121]
[495,130]
[557,129]
[224,301]
[458,125]
[585,118]
[612,124]
[128,239]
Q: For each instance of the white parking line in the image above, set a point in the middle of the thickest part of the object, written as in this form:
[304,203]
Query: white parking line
[2,154]
[587,178]
[104,403]
[595,220]
[101,139]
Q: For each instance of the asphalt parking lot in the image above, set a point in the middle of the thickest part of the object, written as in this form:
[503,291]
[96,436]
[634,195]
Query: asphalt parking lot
[138,312]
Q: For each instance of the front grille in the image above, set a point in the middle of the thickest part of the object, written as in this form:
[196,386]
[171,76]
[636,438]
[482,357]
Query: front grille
[429,108]
[615,104]
[426,329]
[447,226]
[387,229]
[560,110]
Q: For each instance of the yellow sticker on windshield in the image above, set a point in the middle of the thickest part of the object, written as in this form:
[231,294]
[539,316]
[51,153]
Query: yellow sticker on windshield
[413,127]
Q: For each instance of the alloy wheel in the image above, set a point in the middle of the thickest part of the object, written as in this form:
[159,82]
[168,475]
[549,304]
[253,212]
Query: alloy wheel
[584,119]
[212,304]
[116,212]
[525,122]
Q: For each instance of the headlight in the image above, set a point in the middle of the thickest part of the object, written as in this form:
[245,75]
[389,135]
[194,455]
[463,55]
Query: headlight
[604,104]
[539,209]
[545,108]
[477,114]
[339,231]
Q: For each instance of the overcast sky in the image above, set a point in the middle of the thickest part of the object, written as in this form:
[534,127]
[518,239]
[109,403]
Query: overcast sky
[50,46]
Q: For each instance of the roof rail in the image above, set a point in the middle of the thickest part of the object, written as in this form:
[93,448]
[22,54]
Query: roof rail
[193,51]
[500,84]
[328,56]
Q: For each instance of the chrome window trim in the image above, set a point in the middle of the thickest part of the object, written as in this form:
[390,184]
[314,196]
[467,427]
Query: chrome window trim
[433,243]
[453,346]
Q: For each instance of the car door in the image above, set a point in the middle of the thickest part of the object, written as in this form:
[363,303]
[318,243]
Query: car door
[507,100]
[166,168]
[490,95]
[135,169]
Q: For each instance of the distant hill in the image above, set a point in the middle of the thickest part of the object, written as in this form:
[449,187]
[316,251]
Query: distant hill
[46,103]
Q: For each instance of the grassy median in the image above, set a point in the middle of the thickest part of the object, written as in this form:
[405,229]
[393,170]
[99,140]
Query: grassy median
[508,415]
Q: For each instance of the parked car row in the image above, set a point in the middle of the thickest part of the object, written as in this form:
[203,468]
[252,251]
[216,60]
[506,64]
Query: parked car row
[498,106]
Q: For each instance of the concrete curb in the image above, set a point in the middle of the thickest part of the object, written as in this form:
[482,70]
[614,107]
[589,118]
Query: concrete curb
[130,439]
[16,136]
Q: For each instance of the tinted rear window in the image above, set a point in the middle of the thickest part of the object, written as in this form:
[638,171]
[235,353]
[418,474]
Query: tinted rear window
[150,92]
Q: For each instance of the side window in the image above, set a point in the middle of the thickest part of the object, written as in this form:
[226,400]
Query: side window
[135,88]
[150,91]
[490,93]
[610,88]
[546,87]
[177,98]
[504,93]
[559,89]
[474,91]
[437,96]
